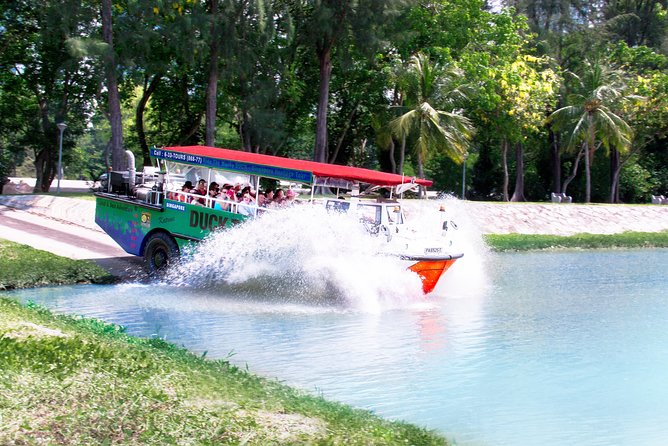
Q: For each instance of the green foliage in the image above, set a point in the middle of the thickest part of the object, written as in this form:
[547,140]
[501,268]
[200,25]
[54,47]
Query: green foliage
[24,267]
[430,129]
[269,79]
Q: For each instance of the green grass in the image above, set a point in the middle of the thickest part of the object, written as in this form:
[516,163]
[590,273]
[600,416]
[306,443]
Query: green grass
[24,267]
[527,242]
[70,381]
[79,195]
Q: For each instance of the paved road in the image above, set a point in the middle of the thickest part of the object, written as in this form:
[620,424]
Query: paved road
[67,240]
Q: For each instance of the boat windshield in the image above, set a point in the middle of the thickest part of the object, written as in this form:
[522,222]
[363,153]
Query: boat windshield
[369,213]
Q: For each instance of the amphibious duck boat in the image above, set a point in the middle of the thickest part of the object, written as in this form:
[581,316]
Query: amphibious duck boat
[154,216]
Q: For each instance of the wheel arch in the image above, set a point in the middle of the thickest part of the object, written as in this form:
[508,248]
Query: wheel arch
[148,236]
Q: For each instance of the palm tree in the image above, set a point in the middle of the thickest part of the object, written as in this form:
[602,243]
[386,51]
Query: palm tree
[589,119]
[432,129]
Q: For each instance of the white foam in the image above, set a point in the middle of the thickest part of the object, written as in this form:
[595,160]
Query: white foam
[304,255]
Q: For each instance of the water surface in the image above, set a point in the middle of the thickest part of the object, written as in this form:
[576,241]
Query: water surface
[527,349]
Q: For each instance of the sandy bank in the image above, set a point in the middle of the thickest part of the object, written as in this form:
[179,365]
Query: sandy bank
[566,219]
[490,218]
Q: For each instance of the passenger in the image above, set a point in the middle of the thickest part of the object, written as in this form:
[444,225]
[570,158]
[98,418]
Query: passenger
[225,198]
[247,190]
[186,188]
[214,192]
[261,200]
[268,198]
[246,207]
[200,190]
[279,198]
[290,197]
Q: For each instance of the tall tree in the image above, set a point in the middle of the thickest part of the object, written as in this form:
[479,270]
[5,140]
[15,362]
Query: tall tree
[589,118]
[39,54]
[212,82]
[149,41]
[326,23]
[446,131]
[637,22]
[118,161]
[528,86]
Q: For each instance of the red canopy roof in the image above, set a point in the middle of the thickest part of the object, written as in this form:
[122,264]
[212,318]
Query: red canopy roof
[321,170]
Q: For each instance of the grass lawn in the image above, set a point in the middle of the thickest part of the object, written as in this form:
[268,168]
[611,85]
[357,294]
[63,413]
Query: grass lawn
[71,381]
[24,267]
[526,242]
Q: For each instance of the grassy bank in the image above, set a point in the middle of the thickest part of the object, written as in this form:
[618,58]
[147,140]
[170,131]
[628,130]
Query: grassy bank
[24,267]
[73,381]
[527,242]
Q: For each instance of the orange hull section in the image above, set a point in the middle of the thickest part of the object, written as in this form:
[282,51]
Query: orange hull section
[430,271]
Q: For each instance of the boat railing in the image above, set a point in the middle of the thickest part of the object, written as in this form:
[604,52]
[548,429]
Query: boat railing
[210,202]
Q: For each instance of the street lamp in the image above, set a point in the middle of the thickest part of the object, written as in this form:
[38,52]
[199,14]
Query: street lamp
[61,126]
[466,155]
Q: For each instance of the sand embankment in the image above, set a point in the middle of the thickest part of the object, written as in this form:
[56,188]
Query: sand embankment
[566,219]
[490,218]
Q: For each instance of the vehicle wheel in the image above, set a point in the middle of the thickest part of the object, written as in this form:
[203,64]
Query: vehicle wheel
[161,250]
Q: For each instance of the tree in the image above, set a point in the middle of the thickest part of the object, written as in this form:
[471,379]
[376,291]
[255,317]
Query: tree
[647,79]
[323,25]
[529,89]
[589,118]
[212,83]
[431,129]
[113,98]
[40,55]
[638,22]
[150,40]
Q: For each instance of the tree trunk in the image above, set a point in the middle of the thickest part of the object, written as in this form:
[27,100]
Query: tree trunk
[44,171]
[504,156]
[393,162]
[45,164]
[139,117]
[588,160]
[118,161]
[212,85]
[615,169]
[339,142]
[245,132]
[555,161]
[518,193]
[402,155]
[324,57]
[575,170]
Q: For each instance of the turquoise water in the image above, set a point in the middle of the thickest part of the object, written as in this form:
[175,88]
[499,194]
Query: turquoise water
[552,349]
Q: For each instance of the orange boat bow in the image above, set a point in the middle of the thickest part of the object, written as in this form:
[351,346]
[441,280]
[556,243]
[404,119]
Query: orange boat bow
[430,271]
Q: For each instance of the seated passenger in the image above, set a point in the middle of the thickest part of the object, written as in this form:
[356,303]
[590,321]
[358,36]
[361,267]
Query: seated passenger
[261,200]
[200,190]
[186,188]
[279,198]
[214,192]
[246,207]
[225,199]
[268,198]
[290,197]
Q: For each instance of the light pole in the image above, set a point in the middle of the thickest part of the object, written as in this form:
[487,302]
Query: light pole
[466,155]
[61,126]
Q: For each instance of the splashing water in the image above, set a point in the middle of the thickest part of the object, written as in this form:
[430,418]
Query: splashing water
[304,254]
